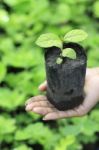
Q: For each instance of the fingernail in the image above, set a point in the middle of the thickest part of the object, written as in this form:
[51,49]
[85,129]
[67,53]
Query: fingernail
[44,119]
[28,107]
[35,110]
[38,111]
[26,104]
[40,87]
[48,119]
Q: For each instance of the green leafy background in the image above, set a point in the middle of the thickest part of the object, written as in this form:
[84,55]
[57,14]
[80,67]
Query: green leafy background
[22,70]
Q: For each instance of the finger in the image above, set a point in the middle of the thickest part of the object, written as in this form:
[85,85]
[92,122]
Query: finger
[89,102]
[43,86]
[42,103]
[91,98]
[43,110]
[36,98]
[92,94]
[60,114]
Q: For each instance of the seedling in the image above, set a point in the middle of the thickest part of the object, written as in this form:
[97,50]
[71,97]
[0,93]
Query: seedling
[66,63]
[50,39]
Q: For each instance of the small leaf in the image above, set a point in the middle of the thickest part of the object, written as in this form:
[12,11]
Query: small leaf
[69,52]
[75,36]
[49,40]
[59,60]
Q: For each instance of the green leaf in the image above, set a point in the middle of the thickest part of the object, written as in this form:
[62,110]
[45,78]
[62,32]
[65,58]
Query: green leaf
[59,15]
[11,2]
[2,71]
[4,18]
[9,97]
[90,127]
[71,130]
[23,147]
[31,132]
[7,125]
[23,58]
[96,9]
[59,60]
[65,142]
[95,116]
[36,132]
[49,40]
[75,36]
[69,52]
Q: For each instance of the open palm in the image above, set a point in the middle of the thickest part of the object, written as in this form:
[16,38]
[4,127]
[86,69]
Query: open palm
[40,104]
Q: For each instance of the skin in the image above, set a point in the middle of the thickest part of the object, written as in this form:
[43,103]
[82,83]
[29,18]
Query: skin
[40,104]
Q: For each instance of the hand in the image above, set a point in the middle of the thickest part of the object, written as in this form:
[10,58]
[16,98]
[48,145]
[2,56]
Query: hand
[40,104]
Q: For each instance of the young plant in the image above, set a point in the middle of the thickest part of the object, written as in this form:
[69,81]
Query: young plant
[51,39]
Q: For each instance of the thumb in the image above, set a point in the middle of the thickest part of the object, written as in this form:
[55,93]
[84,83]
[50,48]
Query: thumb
[43,86]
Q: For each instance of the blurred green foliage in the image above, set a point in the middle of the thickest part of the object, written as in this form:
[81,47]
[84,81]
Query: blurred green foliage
[22,70]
